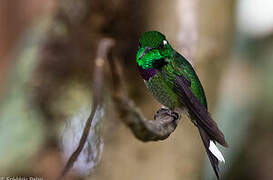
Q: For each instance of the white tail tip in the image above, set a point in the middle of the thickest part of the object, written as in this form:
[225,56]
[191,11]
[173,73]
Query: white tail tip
[215,151]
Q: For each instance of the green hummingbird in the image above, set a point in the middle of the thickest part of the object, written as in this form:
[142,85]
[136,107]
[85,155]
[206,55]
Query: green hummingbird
[173,82]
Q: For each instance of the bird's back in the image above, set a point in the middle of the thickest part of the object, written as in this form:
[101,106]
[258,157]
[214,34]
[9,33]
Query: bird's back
[161,85]
[180,66]
[187,70]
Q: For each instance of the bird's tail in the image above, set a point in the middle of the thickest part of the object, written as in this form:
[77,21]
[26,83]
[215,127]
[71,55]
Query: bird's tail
[213,153]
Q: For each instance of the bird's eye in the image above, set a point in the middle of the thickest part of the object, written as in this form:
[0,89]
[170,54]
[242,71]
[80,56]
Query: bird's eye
[159,63]
[164,42]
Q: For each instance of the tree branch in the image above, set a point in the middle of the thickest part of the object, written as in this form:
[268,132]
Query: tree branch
[165,120]
[98,82]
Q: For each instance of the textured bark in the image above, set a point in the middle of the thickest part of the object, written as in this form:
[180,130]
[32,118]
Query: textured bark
[164,123]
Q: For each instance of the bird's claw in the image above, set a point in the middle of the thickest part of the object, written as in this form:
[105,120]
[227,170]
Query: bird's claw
[166,112]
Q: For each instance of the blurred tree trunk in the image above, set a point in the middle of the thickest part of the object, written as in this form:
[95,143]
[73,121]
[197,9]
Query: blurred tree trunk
[14,19]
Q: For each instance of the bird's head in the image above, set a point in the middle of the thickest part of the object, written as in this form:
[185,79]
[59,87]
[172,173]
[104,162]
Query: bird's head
[153,51]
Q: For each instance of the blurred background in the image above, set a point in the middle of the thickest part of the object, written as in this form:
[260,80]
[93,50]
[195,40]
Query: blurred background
[47,51]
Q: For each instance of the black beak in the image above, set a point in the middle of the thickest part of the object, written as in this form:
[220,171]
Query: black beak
[146,50]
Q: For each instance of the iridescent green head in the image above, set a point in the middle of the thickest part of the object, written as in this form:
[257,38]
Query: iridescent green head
[154,50]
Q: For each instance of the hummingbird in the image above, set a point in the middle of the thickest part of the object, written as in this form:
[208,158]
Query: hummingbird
[173,82]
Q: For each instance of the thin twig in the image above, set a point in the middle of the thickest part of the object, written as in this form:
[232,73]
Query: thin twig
[98,82]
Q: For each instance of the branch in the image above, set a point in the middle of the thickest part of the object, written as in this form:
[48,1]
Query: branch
[164,123]
[98,82]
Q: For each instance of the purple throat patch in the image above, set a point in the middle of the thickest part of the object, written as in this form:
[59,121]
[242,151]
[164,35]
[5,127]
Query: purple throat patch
[147,73]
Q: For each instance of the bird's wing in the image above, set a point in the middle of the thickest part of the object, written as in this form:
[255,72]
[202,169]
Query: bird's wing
[183,67]
[208,129]
[197,110]
[190,92]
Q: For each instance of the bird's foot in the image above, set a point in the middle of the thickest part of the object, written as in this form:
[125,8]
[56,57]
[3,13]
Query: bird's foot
[166,112]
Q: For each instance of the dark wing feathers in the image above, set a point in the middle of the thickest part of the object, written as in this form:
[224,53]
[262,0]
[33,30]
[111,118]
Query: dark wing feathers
[208,129]
[197,110]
